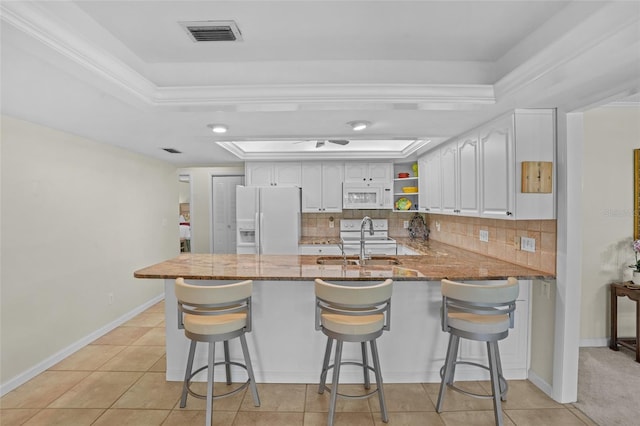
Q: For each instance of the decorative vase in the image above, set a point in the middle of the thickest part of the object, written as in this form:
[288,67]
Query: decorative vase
[636,277]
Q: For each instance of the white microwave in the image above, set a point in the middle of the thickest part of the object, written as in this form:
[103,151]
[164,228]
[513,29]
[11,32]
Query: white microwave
[366,196]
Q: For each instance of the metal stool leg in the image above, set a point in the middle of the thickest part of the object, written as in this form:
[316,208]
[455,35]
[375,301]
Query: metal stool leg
[247,362]
[227,366]
[325,366]
[499,361]
[210,367]
[365,366]
[187,374]
[495,381]
[334,388]
[376,366]
[447,374]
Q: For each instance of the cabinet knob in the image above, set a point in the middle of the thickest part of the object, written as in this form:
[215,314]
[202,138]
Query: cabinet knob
[509,214]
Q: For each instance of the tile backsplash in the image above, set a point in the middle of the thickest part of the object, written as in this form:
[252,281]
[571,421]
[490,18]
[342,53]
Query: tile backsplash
[463,232]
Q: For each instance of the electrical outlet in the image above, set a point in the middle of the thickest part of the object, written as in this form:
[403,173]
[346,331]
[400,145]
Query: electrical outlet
[110,298]
[528,244]
[331,222]
[406,224]
[484,235]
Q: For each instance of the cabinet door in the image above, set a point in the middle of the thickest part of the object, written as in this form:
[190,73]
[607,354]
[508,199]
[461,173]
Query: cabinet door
[433,184]
[448,163]
[287,174]
[259,174]
[468,159]
[381,172]
[312,188]
[332,177]
[356,172]
[497,183]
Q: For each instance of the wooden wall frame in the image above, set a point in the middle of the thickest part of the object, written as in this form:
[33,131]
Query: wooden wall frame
[636,194]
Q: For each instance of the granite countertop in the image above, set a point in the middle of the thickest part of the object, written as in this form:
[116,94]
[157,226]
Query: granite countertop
[319,240]
[437,261]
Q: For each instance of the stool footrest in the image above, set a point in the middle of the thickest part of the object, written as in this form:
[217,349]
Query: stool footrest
[503,383]
[363,396]
[223,395]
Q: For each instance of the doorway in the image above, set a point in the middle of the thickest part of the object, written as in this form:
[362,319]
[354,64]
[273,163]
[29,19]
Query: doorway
[223,220]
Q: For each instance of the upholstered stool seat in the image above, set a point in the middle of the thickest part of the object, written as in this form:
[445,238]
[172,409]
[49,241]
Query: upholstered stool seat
[215,314]
[352,314]
[481,313]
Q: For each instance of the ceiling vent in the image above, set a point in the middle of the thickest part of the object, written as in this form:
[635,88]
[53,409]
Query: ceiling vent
[212,30]
[172,151]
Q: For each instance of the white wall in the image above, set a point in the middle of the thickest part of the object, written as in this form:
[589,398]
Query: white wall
[610,134]
[201,202]
[78,218]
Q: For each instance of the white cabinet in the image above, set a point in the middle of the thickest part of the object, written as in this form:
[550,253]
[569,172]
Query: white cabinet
[468,185]
[320,249]
[479,174]
[273,174]
[449,170]
[496,141]
[322,187]
[368,172]
[526,135]
[429,172]
[410,181]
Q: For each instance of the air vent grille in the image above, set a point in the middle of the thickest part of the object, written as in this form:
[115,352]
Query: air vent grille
[201,31]
[172,150]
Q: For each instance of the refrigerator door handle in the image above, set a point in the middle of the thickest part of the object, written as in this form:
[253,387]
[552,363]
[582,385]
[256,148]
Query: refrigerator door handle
[260,247]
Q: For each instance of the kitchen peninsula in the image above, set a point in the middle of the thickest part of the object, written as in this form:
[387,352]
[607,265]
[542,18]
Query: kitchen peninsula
[287,349]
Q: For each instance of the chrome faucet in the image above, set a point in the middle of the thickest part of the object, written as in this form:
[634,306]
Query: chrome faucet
[362,225]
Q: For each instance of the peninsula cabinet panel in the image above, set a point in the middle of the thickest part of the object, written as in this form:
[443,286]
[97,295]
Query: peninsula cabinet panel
[322,187]
[273,174]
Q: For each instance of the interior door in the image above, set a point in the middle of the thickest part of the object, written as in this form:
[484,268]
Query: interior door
[223,198]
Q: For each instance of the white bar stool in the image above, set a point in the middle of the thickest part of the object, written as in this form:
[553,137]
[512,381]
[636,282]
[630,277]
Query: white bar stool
[352,314]
[481,313]
[215,314]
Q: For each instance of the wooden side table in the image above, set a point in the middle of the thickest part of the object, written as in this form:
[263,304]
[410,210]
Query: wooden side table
[622,290]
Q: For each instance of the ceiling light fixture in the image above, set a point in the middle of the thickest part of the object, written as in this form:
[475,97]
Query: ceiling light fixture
[218,128]
[359,125]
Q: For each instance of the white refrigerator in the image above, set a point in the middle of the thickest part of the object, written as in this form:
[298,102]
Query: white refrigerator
[268,219]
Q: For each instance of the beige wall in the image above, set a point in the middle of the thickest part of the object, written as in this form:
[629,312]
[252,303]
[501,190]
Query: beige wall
[78,218]
[611,134]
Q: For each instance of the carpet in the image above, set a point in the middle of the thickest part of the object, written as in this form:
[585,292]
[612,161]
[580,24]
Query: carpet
[609,386]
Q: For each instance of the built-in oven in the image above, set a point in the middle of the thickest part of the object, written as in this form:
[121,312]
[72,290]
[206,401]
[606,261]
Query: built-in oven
[377,244]
[366,196]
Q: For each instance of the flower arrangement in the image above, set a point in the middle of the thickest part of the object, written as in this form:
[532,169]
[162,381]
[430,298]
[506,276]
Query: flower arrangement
[636,249]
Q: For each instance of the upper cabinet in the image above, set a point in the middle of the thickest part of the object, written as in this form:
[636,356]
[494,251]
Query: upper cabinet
[322,187]
[480,173]
[406,187]
[273,174]
[359,172]
[430,199]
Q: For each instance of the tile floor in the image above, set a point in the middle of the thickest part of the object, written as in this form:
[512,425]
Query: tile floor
[119,380]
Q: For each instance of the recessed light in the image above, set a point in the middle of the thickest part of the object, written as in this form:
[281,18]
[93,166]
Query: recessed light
[359,125]
[218,128]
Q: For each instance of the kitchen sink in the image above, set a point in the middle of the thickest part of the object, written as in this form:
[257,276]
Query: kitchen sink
[352,260]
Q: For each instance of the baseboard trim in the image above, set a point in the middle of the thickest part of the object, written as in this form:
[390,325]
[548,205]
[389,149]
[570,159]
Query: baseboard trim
[541,384]
[594,343]
[29,374]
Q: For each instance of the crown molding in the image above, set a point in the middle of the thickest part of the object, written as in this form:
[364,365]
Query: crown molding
[614,21]
[35,21]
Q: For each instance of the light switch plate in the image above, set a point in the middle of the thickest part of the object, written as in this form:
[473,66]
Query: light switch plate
[528,244]
[484,235]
